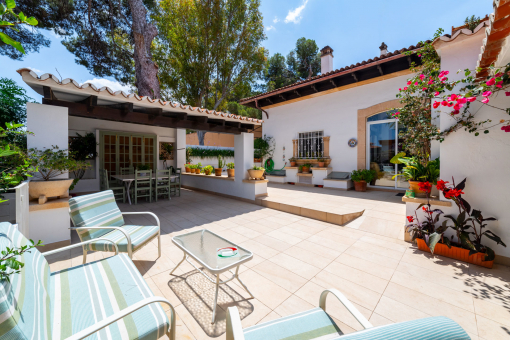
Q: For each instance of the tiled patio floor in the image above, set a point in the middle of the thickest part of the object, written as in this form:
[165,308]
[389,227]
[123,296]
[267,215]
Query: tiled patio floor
[296,258]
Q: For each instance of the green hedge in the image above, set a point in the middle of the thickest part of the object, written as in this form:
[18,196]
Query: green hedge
[210,153]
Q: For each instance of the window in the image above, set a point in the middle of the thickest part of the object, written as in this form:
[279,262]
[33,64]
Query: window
[311,144]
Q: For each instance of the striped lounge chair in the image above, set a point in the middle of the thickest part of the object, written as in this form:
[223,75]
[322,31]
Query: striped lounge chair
[98,216]
[316,324]
[105,299]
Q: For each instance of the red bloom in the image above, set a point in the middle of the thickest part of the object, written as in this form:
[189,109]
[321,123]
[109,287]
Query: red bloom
[444,103]
[410,219]
[436,104]
[425,186]
[506,128]
[491,82]
[441,185]
[452,193]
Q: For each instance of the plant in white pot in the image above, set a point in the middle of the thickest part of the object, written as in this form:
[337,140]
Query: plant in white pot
[51,163]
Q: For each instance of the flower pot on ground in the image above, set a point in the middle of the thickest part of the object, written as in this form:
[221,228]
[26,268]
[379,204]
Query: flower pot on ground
[361,177]
[456,253]
[305,168]
[257,172]
[230,170]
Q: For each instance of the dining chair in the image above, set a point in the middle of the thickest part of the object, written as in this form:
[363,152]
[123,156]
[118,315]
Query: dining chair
[126,171]
[175,183]
[119,191]
[162,183]
[143,184]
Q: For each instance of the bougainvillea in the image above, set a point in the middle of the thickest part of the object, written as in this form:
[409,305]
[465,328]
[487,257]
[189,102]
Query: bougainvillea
[430,90]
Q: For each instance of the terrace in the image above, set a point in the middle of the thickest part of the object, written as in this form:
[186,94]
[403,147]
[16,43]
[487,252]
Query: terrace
[296,258]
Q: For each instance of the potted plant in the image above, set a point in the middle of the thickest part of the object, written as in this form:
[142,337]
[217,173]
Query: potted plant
[292,161]
[219,169]
[305,168]
[466,243]
[51,163]
[321,160]
[415,172]
[230,170]
[187,168]
[263,148]
[208,169]
[256,172]
[198,168]
[361,177]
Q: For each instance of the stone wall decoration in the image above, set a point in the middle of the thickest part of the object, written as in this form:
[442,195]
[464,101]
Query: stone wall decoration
[352,142]
[166,151]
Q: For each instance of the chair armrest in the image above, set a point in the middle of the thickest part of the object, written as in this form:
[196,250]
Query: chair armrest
[142,212]
[123,313]
[234,327]
[350,307]
[81,244]
[113,228]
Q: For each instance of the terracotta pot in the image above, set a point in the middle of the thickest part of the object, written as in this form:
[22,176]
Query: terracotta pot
[456,253]
[305,170]
[196,171]
[51,188]
[415,186]
[321,164]
[187,170]
[231,172]
[257,160]
[218,171]
[360,186]
[292,163]
[207,172]
[256,174]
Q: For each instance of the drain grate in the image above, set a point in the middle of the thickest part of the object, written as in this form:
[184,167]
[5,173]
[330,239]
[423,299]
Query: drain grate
[400,194]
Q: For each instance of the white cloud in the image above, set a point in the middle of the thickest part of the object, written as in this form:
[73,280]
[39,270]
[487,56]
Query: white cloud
[275,20]
[269,28]
[295,15]
[114,85]
[35,69]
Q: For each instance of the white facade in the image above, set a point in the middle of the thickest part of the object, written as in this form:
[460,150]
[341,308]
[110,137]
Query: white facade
[336,114]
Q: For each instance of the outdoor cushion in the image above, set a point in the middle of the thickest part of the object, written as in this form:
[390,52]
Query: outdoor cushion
[276,173]
[312,324]
[24,301]
[139,236]
[438,327]
[338,175]
[99,209]
[83,295]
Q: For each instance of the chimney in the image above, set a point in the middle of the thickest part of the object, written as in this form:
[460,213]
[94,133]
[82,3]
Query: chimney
[326,60]
[384,49]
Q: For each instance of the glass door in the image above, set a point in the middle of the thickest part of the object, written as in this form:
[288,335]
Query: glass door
[382,144]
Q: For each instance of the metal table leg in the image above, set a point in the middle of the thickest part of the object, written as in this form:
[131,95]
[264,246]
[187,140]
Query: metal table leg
[215,298]
[184,258]
[128,184]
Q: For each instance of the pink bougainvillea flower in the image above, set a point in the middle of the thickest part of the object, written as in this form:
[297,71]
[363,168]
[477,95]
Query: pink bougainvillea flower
[400,89]
[499,84]
[487,93]
[419,55]
[446,73]
[471,99]
[430,82]
[506,128]
[452,97]
[456,106]
[455,112]
[436,104]
[437,93]
[409,82]
[424,89]
[444,103]
[405,88]
[462,100]
[499,74]
[507,94]
[485,100]
[491,82]
[450,104]
[422,76]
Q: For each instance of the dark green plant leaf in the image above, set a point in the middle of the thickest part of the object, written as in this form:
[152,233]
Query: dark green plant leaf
[433,239]
[489,254]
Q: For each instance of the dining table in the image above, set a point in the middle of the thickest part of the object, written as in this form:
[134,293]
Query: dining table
[129,178]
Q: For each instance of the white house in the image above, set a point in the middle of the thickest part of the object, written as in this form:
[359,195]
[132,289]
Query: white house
[329,113]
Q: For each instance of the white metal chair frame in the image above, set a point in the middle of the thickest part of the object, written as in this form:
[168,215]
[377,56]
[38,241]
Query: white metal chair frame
[122,313]
[128,238]
[235,328]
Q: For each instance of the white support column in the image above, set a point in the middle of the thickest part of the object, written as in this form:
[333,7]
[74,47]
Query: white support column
[243,148]
[49,125]
[180,154]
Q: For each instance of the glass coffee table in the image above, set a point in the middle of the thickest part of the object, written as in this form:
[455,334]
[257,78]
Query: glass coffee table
[216,254]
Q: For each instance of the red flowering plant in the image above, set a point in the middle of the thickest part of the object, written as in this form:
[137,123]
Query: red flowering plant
[469,225]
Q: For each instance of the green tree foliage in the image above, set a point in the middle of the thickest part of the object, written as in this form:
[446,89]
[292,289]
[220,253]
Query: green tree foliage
[13,30]
[277,74]
[13,100]
[207,49]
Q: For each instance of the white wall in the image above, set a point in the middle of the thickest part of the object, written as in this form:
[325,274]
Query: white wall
[483,160]
[335,113]
[211,161]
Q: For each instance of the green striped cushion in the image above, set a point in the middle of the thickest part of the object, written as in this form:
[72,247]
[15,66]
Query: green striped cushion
[99,209]
[438,327]
[83,295]
[25,300]
[312,324]
[140,235]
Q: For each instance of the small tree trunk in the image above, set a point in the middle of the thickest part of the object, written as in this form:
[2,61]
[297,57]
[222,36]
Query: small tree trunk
[201,135]
[146,71]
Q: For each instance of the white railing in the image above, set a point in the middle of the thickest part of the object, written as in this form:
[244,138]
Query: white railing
[311,144]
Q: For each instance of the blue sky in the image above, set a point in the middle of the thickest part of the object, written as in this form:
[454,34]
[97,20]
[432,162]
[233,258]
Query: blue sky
[354,29]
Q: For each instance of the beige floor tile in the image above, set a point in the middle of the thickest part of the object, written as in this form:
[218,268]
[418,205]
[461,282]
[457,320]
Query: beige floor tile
[259,249]
[431,306]
[365,266]
[493,311]
[294,265]
[308,257]
[374,257]
[328,242]
[246,232]
[293,305]
[284,236]
[337,238]
[265,290]
[378,320]
[270,317]
[272,242]
[318,249]
[295,230]
[382,251]
[279,275]
[260,228]
[435,263]
[396,311]
[357,276]
[489,329]
[232,236]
